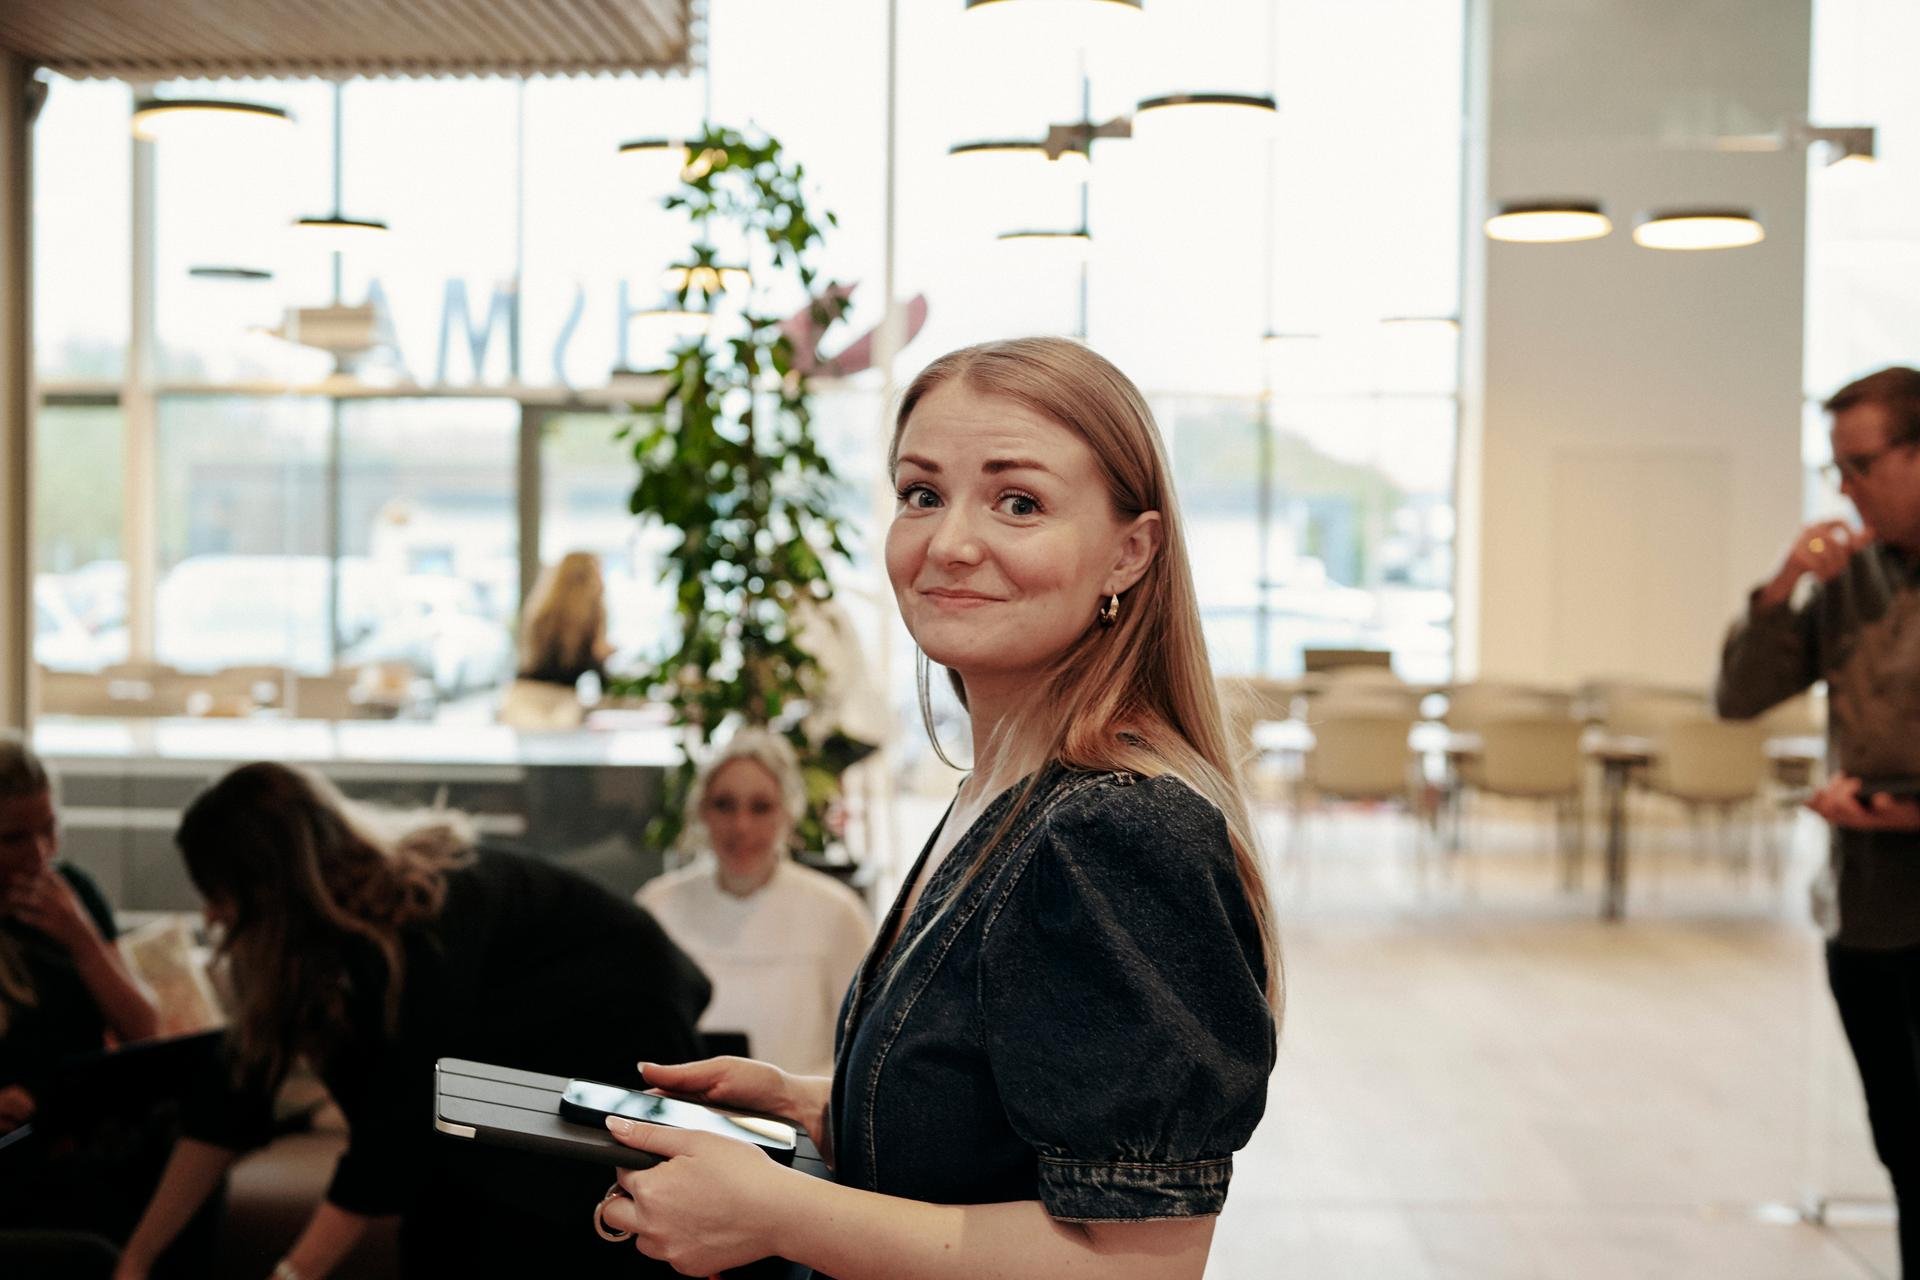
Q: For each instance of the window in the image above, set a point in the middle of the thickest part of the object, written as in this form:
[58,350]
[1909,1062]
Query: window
[82,237]
[80,583]
[244,574]
[428,550]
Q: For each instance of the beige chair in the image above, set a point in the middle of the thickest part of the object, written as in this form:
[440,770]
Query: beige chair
[75,693]
[1713,767]
[1644,712]
[1360,691]
[339,696]
[1355,757]
[1537,758]
[1469,706]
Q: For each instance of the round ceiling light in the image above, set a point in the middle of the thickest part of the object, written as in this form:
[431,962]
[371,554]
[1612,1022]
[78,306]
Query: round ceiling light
[156,118]
[338,232]
[1548,222]
[706,278]
[1694,229]
[1197,118]
[229,273]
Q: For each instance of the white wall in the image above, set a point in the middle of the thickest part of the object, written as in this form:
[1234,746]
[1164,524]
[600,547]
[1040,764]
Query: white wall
[1631,417]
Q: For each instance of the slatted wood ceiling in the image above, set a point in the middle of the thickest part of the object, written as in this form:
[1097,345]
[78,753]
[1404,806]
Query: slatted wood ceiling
[166,39]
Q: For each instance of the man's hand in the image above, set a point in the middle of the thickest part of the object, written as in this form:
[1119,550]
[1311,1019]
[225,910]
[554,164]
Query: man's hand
[1840,803]
[45,901]
[1821,549]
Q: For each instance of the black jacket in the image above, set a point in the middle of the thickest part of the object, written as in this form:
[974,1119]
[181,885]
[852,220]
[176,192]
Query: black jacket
[1083,1023]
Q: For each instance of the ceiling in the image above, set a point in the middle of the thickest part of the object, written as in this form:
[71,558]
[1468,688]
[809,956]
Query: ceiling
[144,40]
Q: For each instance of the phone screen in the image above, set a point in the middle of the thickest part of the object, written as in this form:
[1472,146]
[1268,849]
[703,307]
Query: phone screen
[610,1100]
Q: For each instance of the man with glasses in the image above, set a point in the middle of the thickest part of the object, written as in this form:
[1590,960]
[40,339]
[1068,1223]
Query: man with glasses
[1857,627]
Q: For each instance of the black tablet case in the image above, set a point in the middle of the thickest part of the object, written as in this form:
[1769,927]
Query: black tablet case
[504,1106]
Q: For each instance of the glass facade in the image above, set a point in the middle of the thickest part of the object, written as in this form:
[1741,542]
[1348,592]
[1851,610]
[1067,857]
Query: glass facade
[383,525]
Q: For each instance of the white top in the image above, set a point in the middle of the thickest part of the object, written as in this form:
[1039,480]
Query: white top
[780,959]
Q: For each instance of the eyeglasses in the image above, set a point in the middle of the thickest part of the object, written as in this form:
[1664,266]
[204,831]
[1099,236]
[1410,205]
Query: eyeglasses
[1855,466]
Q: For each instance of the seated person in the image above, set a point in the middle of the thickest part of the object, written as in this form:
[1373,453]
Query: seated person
[370,947]
[563,637]
[780,941]
[64,992]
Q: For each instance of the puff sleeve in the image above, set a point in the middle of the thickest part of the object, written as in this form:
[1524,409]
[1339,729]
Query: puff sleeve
[1122,993]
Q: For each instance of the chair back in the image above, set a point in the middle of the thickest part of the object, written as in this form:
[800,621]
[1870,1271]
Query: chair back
[1648,713]
[1327,659]
[1470,706]
[1360,756]
[1712,761]
[1530,756]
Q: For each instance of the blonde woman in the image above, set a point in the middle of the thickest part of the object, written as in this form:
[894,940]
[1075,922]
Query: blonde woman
[563,636]
[1065,1030]
[779,941]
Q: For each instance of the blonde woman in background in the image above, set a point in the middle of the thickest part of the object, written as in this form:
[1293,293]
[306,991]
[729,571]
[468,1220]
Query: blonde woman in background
[563,637]
[780,941]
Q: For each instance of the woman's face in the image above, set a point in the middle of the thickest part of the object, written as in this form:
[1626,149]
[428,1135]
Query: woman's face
[1004,541]
[29,837]
[745,816]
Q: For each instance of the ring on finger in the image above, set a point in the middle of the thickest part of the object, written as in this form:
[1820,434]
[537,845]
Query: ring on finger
[1816,545]
[600,1227]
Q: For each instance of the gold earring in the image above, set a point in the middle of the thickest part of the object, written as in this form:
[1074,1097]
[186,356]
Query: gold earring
[1109,612]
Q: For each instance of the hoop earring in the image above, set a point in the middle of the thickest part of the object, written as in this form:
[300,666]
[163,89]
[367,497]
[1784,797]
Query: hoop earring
[1109,612]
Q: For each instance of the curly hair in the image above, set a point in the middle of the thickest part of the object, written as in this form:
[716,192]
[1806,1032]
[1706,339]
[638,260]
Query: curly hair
[308,882]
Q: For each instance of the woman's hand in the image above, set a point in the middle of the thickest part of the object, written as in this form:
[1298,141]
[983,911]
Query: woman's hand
[1840,803]
[745,1083]
[45,901]
[712,1203]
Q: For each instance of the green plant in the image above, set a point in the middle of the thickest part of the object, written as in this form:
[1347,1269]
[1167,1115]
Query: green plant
[728,461]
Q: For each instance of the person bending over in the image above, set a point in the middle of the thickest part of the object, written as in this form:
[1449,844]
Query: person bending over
[369,953]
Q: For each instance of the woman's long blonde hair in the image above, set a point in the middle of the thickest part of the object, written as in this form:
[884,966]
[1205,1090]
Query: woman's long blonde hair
[566,616]
[309,879]
[1139,695]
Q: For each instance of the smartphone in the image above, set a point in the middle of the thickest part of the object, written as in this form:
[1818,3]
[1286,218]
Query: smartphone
[1898,788]
[590,1102]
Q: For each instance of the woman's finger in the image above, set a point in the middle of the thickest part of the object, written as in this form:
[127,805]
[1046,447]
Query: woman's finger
[655,1138]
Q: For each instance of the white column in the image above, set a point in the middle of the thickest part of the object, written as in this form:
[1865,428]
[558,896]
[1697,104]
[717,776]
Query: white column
[1631,418]
[140,521]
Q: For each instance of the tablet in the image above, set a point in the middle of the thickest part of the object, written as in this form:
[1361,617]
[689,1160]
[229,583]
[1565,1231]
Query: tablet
[507,1107]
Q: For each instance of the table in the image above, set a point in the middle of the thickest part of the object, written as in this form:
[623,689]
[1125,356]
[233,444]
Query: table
[1619,756]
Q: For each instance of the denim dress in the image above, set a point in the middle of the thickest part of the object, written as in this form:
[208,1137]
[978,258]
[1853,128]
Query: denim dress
[1082,1022]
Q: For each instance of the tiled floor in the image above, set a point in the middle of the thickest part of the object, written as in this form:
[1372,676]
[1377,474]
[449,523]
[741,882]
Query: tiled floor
[1482,1080]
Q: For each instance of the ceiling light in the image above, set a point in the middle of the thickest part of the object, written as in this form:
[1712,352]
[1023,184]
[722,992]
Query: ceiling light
[338,232]
[155,118]
[1690,229]
[1199,117]
[1547,222]
[229,273]
[703,277]
[1065,243]
[659,161]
